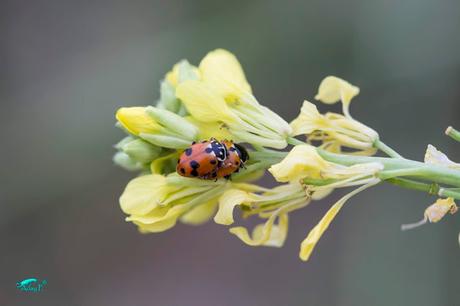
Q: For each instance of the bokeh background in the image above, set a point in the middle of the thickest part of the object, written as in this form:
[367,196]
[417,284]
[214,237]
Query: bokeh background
[66,66]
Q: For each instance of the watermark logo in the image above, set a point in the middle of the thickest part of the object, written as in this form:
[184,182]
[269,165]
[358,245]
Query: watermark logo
[31,285]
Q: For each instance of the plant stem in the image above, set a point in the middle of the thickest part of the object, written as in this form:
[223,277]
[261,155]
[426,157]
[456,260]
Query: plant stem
[411,184]
[293,141]
[453,133]
[384,148]
[426,172]
[395,167]
[443,192]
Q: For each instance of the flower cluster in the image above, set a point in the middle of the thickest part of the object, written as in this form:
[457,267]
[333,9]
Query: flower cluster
[215,100]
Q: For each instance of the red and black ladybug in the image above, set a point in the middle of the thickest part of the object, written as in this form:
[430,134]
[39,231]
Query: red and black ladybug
[212,159]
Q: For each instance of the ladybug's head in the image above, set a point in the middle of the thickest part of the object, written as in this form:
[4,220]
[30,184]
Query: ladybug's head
[242,152]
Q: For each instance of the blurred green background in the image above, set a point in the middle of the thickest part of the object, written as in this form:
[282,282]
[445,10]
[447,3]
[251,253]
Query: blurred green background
[66,66]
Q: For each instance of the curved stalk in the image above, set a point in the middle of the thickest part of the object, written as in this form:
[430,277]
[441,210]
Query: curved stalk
[386,149]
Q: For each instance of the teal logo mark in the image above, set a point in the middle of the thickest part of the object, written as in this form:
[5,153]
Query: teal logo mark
[31,284]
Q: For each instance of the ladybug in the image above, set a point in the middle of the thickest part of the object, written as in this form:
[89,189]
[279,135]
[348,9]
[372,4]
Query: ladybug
[202,159]
[236,157]
[211,159]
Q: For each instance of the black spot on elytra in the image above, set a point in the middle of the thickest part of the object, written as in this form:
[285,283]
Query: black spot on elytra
[194,164]
[213,161]
[208,150]
[188,151]
[237,163]
[182,170]
[194,172]
[178,161]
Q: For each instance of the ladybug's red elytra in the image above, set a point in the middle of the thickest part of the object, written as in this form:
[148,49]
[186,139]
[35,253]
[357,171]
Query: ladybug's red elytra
[212,159]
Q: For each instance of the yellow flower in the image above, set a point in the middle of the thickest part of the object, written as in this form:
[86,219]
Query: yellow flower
[334,130]
[434,213]
[333,89]
[309,243]
[273,205]
[436,157]
[155,202]
[222,95]
[304,162]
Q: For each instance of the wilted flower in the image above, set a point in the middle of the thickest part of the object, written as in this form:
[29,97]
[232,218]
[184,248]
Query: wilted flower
[434,213]
[436,157]
[309,243]
[274,204]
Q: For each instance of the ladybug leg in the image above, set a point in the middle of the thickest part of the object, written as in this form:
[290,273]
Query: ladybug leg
[227,177]
[214,175]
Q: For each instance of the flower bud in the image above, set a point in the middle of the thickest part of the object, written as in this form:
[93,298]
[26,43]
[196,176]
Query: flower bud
[166,141]
[173,122]
[123,160]
[141,150]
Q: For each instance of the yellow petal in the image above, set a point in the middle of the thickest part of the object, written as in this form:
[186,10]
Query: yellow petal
[200,213]
[303,161]
[136,120]
[266,234]
[202,102]
[221,70]
[141,194]
[333,89]
[308,120]
[157,227]
[307,246]
[227,203]
[277,235]
[155,222]
[207,130]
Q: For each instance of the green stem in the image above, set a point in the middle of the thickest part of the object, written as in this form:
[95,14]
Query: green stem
[410,184]
[395,167]
[294,141]
[443,192]
[453,133]
[426,172]
[384,148]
